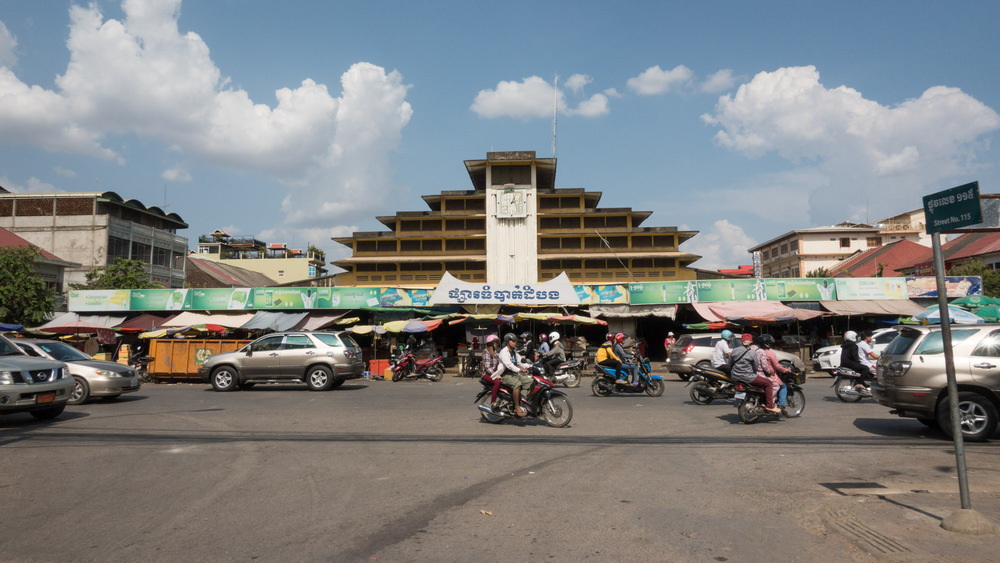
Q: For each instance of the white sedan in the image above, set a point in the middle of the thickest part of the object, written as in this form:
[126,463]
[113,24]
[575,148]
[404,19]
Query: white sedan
[828,357]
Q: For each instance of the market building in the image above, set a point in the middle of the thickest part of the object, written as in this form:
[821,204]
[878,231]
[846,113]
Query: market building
[515,226]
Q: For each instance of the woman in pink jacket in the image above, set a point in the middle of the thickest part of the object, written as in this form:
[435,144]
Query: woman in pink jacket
[766,341]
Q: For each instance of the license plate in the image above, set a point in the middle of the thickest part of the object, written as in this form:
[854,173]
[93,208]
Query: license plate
[135,382]
[45,398]
[740,396]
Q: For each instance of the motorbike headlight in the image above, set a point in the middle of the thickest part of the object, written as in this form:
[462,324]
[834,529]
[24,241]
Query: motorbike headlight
[6,377]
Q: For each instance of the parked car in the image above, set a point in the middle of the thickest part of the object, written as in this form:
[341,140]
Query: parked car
[38,386]
[911,380]
[828,357]
[323,360]
[91,378]
[696,349]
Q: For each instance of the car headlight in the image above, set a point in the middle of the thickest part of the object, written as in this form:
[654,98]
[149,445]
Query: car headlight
[106,373]
[63,373]
[6,378]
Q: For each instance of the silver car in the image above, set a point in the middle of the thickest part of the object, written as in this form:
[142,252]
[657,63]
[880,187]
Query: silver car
[91,378]
[38,386]
[696,349]
[323,360]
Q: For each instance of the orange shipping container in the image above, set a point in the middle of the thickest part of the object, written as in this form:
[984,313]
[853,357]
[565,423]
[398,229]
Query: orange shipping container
[180,358]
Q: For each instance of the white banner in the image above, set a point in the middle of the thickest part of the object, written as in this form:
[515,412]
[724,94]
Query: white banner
[559,291]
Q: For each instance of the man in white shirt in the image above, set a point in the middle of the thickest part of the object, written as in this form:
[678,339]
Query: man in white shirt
[865,351]
[720,354]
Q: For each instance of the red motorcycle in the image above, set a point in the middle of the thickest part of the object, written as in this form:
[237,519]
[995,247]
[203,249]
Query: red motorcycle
[408,366]
[541,401]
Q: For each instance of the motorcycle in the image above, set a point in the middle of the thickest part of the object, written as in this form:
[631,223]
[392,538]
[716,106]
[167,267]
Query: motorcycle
[569,373]
[605,382]
[542,400]
[431,368]
[708,384]
[845,385]
[752,402]
[140,363]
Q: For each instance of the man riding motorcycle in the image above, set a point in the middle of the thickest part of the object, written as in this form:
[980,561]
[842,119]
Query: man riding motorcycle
[850,358]
[515,374]
[555,356]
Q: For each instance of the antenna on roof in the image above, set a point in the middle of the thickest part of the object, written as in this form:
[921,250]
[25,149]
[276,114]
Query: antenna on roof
[555,107]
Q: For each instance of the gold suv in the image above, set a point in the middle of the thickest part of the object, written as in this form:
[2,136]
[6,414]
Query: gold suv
[911,380]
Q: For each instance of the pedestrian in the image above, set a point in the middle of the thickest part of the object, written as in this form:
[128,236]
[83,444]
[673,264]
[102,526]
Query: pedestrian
[669,342]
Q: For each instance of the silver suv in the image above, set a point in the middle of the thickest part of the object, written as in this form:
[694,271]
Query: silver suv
[696,349]
[910,377]
[323,360]
[37,386]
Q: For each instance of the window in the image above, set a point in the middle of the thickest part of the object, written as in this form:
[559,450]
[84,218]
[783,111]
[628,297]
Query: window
[297,341]
[281,273]
[845,242]
[874,242]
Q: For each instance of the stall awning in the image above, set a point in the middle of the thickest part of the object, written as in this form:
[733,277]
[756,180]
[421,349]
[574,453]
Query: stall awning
[873,307]
[274,320]
[752,311]
[103,320]
[228,320]
[622,311]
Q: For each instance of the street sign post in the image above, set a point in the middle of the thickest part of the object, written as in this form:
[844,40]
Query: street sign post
[953,209]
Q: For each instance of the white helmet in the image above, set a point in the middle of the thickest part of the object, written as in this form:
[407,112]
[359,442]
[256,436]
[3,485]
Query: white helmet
[553,336]
[670,334]
[850,336]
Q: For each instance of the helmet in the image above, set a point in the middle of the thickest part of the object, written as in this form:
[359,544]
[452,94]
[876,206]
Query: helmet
[611,337]
[747,337]
[670,334]
[619,338]
[509,337]
[543,338]
[727,335]
[765,341]
[491,339]
[553,336]
[850,336]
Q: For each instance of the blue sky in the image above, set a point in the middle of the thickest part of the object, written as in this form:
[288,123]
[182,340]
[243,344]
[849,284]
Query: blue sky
[298,121]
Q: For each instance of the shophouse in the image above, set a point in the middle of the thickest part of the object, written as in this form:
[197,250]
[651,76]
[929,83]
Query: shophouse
[277,261]
[91,229]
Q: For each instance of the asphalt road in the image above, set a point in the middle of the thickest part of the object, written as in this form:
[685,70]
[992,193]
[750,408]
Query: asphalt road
[407,472]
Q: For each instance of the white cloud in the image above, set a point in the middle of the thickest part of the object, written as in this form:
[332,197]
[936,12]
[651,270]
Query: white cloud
[144,76]
[723,246]
[655,80]
[533,98]
[612,93]
[8,47]
[177,174]
[721,81]
[34,185]
[872,156]
[64,172]
[576,82]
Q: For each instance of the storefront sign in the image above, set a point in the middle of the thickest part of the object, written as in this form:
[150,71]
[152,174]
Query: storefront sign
[956,286]
[871,288]
[451,290]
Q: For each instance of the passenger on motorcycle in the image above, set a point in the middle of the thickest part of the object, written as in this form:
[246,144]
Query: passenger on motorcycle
[850,358]
[543,346]
[625,356]
[743,365]
[765,342]
[721,352]
[555,356]
[527,346]
[515,373]
[606,357]
[492,367]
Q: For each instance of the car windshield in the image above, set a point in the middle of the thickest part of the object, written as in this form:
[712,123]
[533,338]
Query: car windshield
[62,352]
[932,344]
[886,337]
[901,343]
[8,349]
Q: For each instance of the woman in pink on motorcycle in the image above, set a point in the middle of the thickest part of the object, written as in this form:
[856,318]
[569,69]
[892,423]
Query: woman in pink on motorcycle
[492,368]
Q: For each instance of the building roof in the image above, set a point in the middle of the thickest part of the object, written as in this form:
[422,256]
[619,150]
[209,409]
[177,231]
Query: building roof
[965,247]
[891,256]
[8,238]
[841,228]
[741,270]
[109,197]
[216,274]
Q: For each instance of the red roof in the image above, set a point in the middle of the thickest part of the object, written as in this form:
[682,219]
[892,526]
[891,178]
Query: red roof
[969,245]
[277,246]
[741,270]
[893,257]
[8,238]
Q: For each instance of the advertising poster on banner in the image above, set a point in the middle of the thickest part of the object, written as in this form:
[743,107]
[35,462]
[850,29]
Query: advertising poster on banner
[801,289]
[656,293]
[161,300]
[397,297]
[99,300]
[611,294]
[871,288]
[586,294]
[214,299]
[315,298]
[956,286]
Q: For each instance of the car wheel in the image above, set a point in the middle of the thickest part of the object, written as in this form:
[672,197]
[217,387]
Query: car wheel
[81,391]
[319,378]
[225,378]
[977,416]
[48,414]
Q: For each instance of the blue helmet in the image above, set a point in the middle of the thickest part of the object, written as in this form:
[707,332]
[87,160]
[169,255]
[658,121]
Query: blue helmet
[727,335]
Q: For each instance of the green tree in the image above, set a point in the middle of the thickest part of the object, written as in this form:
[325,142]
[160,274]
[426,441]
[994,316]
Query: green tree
[991,277]
[820,272]
[122,274]
[24,298]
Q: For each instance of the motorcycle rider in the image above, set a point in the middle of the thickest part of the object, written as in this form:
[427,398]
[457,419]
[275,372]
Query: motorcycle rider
[850,358]
[606,357]
[515,373]
[527,346]
[555,356]
[543,346]
[743,366]
[721,352]
[625,356]
[492,367]
[766,342]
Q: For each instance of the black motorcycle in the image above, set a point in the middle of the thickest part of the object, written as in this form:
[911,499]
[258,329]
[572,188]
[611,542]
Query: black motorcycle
[849,386]
[708,384]
[753,404]
[542,400]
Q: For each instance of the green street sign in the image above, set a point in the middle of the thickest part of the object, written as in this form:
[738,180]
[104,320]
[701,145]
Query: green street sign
[953,209]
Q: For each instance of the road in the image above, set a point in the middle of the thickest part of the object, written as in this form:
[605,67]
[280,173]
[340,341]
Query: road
[407,472]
